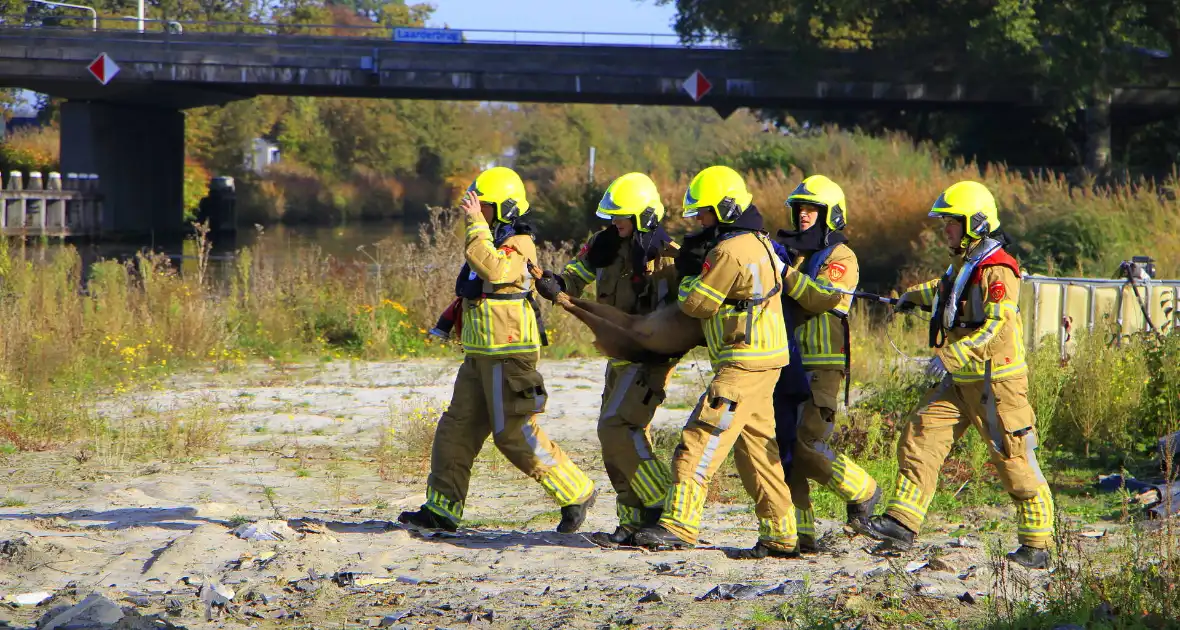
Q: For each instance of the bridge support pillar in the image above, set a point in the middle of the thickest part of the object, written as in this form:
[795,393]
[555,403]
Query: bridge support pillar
[138,154]
[1098,127]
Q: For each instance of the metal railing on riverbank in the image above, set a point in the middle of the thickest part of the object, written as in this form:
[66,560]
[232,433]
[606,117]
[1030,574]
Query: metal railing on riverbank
[1058,307]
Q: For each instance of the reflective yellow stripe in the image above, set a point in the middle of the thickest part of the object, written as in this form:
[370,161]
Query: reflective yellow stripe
[686,506]
[706,290]
[651,482]
[957,350]
[805,522]
[479,228]
[1034,516]
[908,498]
[438,503]
[980,337]
[779,530]
[768,337]
[629,516]
[567,484]
[806,282]
[926,289]
[479,334]
[685,287]
[577,268]
[825,360]
[849,481]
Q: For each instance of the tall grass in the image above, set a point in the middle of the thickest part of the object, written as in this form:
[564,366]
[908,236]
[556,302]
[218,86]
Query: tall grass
[890,183]
[142,318]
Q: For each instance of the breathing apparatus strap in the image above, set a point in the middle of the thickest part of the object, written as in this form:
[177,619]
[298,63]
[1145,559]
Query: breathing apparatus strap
[946,312]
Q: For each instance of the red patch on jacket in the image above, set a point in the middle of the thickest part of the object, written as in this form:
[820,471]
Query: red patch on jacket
[508,249]
[585,248]
[836,271]
[996,291]
[705,268]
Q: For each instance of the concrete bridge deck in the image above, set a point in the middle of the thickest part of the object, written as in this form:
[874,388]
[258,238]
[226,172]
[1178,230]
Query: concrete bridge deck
[193,69]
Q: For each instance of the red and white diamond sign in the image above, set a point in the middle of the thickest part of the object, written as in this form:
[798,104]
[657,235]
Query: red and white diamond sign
[103,68]
[697,85]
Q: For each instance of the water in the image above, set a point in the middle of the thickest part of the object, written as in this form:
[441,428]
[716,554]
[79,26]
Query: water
[279,242]
[340,242]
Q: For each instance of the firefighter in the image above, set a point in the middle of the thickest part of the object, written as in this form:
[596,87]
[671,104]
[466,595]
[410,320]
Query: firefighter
[820,215]
[979,361]
[735,294]
[498,390]
[632,265]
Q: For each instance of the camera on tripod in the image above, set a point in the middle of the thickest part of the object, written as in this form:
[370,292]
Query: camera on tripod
[1138,268]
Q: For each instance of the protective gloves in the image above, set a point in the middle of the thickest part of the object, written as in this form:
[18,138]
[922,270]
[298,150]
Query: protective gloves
[935,369]
[905,303]
[549,286]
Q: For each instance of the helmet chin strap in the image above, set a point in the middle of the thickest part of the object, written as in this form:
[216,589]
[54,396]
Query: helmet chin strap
[965,243]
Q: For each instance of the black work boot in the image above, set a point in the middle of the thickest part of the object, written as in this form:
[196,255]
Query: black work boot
[888,529]
[863,511]
[1030,557]
[623,535]
[426,519]
[659,537]
[572,516]
[762,550]
[651,516]
[807,544]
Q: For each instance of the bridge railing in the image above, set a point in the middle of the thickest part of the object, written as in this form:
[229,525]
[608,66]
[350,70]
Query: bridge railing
[375,31]
[55,207]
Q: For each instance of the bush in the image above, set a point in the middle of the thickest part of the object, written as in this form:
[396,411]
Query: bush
[1100,399]
[31,149]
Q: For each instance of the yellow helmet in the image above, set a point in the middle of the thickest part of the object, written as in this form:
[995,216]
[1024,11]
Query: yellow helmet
[502,187]
[633,195]
[818,190]
[719,188]
[973,203]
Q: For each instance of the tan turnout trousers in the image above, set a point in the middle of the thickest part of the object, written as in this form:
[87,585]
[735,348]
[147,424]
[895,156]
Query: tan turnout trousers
[736,412]
[814,459]
[1010,432]
[500,396]
[632,394]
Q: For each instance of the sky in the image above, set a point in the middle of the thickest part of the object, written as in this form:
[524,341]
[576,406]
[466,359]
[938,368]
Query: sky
[577,16]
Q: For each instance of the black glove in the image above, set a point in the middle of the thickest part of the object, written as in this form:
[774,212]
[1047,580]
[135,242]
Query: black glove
[549,286]
[905,303]
[689,263]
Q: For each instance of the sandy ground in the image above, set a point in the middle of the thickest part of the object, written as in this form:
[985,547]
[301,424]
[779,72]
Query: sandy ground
[149,535]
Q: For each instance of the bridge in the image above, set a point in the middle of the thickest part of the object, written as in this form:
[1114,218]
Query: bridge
[131,129]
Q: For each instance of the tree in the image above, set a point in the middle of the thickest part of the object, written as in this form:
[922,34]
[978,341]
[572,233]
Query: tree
[1078,50]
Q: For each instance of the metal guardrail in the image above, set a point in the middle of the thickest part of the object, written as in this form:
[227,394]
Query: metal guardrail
[376,31]
[1061,305]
